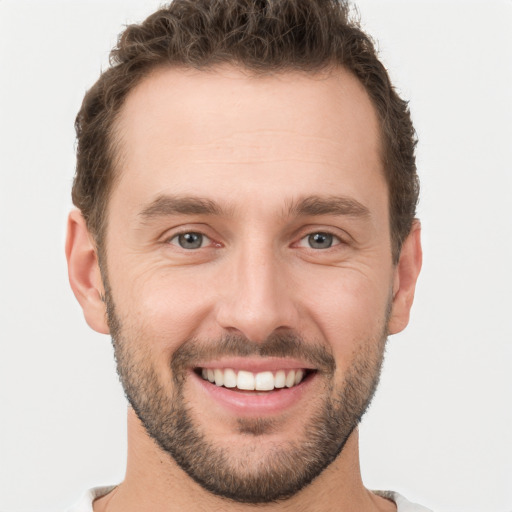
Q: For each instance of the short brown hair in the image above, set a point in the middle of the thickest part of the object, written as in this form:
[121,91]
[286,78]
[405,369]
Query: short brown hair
[262,36]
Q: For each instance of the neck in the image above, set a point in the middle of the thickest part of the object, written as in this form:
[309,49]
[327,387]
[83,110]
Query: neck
[155,482]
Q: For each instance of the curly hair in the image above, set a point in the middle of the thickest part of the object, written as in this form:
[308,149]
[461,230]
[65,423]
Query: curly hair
[262,36]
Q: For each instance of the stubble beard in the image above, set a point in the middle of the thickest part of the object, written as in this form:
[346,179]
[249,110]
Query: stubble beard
[251,474]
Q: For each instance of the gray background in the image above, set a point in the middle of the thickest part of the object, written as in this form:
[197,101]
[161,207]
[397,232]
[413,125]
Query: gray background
[439,430]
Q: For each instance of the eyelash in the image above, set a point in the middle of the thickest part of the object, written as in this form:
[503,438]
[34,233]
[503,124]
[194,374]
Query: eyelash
[306,239]
[335,240]
[204,238]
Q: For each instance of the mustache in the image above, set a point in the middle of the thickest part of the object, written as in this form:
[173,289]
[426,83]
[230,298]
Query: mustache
[232,345]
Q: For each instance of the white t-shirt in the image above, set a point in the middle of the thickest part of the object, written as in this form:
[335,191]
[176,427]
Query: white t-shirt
[85,503]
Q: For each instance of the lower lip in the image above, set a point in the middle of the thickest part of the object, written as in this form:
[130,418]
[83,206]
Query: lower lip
[252,404]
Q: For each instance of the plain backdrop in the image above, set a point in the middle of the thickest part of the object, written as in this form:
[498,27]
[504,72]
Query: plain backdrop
[439,430]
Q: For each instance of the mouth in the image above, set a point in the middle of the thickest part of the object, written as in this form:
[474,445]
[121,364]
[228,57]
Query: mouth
[255,387]
[264,381]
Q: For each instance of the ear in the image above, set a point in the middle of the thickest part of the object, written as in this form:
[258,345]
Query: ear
[84,272]
[406,275]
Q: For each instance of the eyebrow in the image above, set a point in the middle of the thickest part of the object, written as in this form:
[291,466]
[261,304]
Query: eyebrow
[330,205]
[310,206]
[167,205]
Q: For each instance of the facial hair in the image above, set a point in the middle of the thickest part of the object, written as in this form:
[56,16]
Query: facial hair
[249,475]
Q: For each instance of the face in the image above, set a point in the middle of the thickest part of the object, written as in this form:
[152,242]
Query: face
[248,271]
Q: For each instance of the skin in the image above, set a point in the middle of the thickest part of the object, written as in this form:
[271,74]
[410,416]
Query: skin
[255,146]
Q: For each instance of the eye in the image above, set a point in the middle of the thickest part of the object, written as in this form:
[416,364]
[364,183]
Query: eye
[190,240]
[319,240]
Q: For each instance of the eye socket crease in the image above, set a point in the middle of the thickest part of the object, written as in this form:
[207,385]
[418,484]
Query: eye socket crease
[308,207]
[192,240]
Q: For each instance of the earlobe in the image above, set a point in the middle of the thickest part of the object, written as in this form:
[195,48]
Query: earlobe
[406,275]
[84,272]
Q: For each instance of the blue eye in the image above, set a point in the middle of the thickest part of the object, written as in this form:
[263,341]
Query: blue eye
[189,240]
[319,240]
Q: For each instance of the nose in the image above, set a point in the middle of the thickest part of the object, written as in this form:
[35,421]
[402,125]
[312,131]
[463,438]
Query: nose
[257,296]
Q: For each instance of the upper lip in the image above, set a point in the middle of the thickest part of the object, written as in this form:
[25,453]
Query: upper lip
[255,365]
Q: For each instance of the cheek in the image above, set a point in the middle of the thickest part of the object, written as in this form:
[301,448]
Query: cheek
[165,308]
[350,309]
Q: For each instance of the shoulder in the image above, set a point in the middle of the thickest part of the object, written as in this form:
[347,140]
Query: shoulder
[402,504]
[84,504]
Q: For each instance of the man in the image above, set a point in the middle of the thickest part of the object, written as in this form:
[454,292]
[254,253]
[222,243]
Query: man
[245,231]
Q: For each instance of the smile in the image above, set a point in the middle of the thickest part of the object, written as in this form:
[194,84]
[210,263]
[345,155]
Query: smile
[250,381]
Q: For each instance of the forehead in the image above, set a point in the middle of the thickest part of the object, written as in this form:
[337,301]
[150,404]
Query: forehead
[222,132]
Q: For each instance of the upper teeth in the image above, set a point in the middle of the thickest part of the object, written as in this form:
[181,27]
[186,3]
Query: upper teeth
[262,381]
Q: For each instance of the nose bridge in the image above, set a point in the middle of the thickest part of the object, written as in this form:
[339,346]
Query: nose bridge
[257,300]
